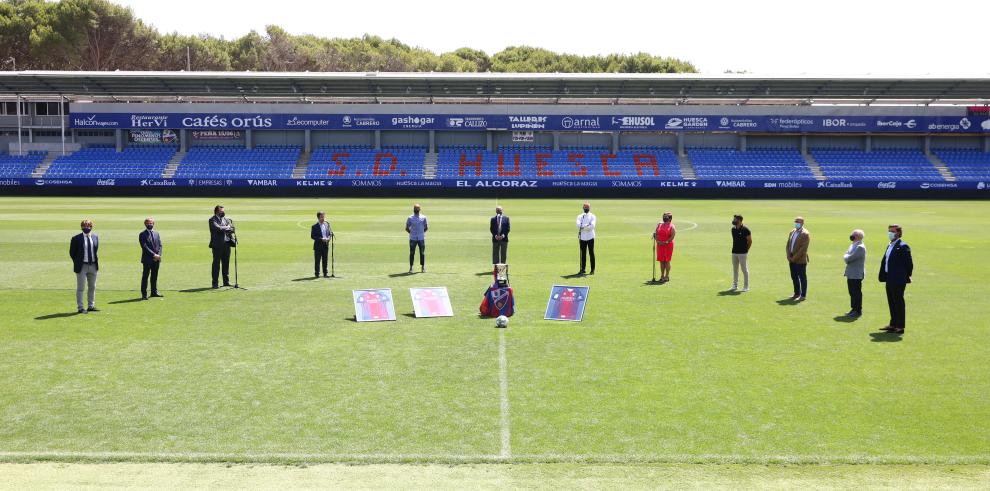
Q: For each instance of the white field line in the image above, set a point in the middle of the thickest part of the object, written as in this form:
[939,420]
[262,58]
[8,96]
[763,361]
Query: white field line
[692,227]
[503,389]
[632,458]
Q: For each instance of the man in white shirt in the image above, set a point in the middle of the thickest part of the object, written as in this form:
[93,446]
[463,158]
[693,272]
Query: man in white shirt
[586,223]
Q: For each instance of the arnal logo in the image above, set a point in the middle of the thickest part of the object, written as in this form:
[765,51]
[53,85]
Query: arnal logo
[569,122]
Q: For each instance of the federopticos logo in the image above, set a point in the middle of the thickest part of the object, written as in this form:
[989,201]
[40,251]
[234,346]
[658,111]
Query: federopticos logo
[527,122]
[413,121]
[791,123]
[578,123]
[226,121]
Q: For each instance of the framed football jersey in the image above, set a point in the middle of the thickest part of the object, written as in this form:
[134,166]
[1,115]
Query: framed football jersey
[373,305]
[431,302]
[566,303]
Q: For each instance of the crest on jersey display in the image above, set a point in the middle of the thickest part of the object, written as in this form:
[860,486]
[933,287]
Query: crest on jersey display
[431,302]
[566,303]
[373,305]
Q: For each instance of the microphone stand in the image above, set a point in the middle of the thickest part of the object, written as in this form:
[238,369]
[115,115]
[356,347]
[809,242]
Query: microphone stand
[332,270]
[233,239]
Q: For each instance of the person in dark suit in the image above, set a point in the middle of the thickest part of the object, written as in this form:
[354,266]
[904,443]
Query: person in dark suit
[500,236]
[221,241]
[151,258]
[321,233]
[896,268]
[84,249]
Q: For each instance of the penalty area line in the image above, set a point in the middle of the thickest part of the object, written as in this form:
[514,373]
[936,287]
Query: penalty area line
[503,389]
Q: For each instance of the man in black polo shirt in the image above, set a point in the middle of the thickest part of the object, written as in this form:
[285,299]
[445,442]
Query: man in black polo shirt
[742,240]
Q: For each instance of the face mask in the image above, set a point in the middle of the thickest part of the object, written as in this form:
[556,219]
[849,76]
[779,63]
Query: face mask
[498,212]
[86,230]
[892,236]
[221,214]
[149,226]
[586,210]
[735,222]
[797,225]
[852,238]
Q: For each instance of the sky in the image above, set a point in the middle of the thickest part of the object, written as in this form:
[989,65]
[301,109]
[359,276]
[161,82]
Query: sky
[764,37]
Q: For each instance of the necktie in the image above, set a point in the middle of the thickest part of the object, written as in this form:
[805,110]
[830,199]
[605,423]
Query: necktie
[89,248]
[499,225]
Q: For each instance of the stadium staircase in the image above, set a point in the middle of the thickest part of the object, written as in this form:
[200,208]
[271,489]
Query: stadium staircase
[44,165]
[816,169]
[173,165]
[941,167]
[687,170]
[430,165]
[299,171]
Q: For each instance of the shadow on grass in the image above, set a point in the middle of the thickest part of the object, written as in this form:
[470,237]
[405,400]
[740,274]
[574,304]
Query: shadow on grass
[652,282]
[307,278]
[411,315]
[788,301]
[845,319]
[885,337]
[729,293]
[129,300]
[484,273]
[575,275]
[56,316]
[196,290]
[352,318]
[398,275]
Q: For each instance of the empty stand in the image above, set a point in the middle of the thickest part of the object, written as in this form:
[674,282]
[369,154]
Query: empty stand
[20,165]
[263,161]
[132,162]
[897,164]
[400,162]
[756,163]
[966,164]
[574,163]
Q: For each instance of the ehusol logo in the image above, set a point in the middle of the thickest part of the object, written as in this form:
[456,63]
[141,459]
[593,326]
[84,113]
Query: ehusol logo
[633,121]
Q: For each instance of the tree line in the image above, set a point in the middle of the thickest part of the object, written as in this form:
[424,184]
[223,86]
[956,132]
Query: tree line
[99,35]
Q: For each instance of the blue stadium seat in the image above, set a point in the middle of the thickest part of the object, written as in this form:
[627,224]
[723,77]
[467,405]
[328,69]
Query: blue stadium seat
[543,163]
[755,163]
[966,164]
[107,162]
[20,165]
[897,164]
[351,161]
[224,162]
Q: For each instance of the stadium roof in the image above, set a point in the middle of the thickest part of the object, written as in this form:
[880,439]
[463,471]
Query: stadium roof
[543,88]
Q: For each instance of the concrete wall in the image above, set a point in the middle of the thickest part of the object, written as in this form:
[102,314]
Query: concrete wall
[645,138]
[504,139]
[269,137]
[898,142]
[827,141]
[451,138]
[417,138]
[710,140]
[325,138]
[571,139]
[971,142]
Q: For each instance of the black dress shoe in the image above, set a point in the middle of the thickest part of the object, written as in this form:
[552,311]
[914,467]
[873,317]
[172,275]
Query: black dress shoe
[592,272]
[93,309]
[159,295]
[214,287]
[581,272]
[888,328]
[897,330]
[81,311]
[226,284]
[326,275]
[144,297]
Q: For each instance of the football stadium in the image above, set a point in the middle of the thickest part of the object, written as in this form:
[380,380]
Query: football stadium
[401,339]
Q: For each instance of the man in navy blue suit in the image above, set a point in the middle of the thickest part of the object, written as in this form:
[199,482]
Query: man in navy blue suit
[151,258]
[896,267]
[500,236]
[321,233]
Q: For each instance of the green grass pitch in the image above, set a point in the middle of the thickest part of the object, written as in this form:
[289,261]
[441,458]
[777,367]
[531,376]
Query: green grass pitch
[672,373]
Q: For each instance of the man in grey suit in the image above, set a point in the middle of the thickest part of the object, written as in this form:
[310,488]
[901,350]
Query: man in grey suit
[855,258]
[221,240]
[84,249]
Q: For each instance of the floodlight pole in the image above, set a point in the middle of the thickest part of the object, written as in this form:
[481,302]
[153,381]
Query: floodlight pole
[20,149]
[61,119]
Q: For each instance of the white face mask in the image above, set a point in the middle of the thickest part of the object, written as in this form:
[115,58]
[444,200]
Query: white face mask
[892,236]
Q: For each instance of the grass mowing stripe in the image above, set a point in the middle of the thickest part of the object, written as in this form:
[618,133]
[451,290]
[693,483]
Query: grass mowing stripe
[503,382]
[290,457]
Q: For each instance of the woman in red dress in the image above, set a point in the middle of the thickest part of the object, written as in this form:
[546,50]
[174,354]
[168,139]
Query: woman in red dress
[664,237]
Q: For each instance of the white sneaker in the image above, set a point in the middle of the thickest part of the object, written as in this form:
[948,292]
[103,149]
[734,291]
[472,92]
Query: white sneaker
[744,290]
[733,288]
